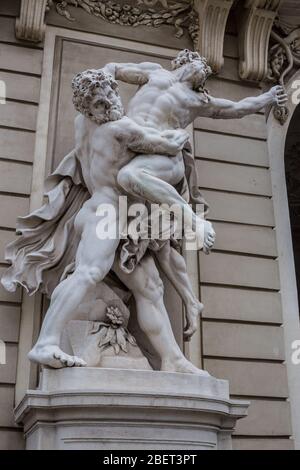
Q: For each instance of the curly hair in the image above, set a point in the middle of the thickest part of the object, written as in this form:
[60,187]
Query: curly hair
[186,57]
[89,83]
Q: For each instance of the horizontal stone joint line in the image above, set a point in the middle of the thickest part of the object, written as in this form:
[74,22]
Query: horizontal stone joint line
[260,436]
[11,193]
[16,128]
[13,160]
[245,253]
[241,223]
[239,322]
[244,359]
[17,72]
[229,134]
[240,193]
[260,397]
[6,303]
[238,286]
[16,100]
[22,45]
[230,162]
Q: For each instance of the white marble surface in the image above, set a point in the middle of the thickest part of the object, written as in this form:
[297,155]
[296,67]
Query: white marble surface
[92,408]
[144,155]
[132,381]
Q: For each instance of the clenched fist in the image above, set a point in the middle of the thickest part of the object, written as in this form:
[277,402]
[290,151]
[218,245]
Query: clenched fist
[279,96]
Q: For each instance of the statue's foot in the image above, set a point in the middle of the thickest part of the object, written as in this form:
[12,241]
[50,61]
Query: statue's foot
[182,365]
[193,311]
[209,237]
[53,356]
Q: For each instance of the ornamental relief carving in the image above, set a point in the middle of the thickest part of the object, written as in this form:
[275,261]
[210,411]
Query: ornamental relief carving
[152,13]
[284,58]
[267,52]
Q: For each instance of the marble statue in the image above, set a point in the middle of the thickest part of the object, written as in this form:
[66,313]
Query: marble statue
[145,156]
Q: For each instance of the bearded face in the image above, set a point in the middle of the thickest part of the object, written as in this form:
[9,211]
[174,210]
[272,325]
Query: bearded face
[105,107]
[96,96]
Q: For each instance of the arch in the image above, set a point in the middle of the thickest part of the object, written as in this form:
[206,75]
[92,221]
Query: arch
[290,308]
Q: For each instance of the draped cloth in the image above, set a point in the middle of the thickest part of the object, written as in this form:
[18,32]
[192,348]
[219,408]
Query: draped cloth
[44,252]
[47,241]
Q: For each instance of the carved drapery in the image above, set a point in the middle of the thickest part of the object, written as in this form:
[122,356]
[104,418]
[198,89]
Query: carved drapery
[256,18]
[212,18]
[30,26]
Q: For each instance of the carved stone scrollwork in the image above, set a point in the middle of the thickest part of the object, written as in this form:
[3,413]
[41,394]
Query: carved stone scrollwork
[212,18]
[30,25]
[257,18]
[284,56]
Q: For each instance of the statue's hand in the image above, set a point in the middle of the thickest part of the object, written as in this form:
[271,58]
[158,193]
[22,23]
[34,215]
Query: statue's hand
[278,95]
[177,139]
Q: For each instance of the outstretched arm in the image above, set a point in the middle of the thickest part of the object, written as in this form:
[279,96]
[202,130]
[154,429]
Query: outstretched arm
[219,108]
[136,74]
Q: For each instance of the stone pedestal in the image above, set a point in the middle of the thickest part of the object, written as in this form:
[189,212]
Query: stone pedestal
[94,408]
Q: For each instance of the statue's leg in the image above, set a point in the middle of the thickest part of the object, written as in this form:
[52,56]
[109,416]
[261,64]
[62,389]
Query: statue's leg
[173,265]
[94,260]
[151,177]
[147,288]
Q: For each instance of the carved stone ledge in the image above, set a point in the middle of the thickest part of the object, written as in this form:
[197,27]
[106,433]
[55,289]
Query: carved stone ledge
[213,16]
[256,18]
[30,26]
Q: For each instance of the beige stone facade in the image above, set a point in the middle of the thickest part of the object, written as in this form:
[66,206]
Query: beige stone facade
[247,284]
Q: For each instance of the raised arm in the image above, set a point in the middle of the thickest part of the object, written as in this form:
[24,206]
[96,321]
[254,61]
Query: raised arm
[219,108]
[136,74]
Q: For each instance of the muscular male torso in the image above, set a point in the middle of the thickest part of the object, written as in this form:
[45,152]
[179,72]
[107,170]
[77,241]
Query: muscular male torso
[101,163]
[164,102]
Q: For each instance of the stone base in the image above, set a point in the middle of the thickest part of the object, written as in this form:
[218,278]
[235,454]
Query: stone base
[109,409]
